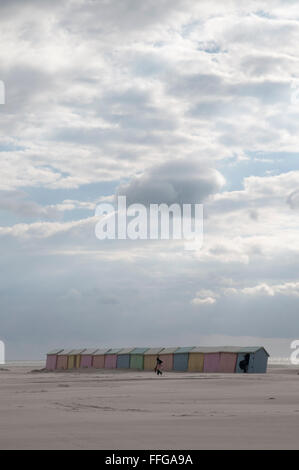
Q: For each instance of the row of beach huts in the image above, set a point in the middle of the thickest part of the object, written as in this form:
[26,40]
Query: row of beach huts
[194,359]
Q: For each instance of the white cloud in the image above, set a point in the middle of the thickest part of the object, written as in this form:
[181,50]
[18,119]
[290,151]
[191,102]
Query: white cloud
[204,297]
[287,288]
[203,301]
[45,229]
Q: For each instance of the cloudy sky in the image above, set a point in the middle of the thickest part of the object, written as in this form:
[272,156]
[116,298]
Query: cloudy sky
[170,100]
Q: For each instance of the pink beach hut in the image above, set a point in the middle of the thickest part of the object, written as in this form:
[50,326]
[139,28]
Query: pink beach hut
[211,360]
[87,358]
[62,359]
[228,361]
[51,363]
[111,358]
[98,358]
[166,355]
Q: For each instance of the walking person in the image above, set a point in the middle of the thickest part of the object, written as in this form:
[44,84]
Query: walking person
[158,366]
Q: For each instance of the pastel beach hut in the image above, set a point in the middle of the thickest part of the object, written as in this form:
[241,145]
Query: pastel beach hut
[150,358]
[258,359]
[62,359]
[136,358]
[211,359]
[74,358]
[123,358]
[98,358]
[87,358]
[196,360]
[167,357]
[52,356]
[181,358]
[111,358]
[228,359]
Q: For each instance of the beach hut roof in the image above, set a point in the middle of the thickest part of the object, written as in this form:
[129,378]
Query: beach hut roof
[229,349]
[153,351]
[65,352]
[125,351]
[89,352]
[74,352]
[113,351]
[242,349]
[101,352]
[205,349]
[139,350]
[253,349]
[54,352]
[184,350]
[169,350]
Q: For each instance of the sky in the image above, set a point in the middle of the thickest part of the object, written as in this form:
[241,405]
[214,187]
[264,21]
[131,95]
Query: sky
[171,101]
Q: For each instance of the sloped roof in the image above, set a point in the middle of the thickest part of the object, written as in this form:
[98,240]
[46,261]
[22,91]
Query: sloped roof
[184,350]
[153,351]
[101,352]
[74,352]
[253,349]
[169,350]
[65,352]
[113,351]
[89,352]
[54,352]
[139,350]
[125,351]
[229,349]
[205,349]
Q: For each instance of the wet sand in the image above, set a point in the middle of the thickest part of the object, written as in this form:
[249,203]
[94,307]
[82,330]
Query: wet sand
[138,410]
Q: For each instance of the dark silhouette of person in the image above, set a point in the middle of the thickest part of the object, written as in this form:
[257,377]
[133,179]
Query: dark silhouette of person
[158,366]
[245,363]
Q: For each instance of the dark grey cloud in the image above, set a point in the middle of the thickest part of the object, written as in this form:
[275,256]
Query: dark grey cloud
[176,181]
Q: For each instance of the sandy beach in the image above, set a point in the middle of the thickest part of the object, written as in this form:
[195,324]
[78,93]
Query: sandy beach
[137,410]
